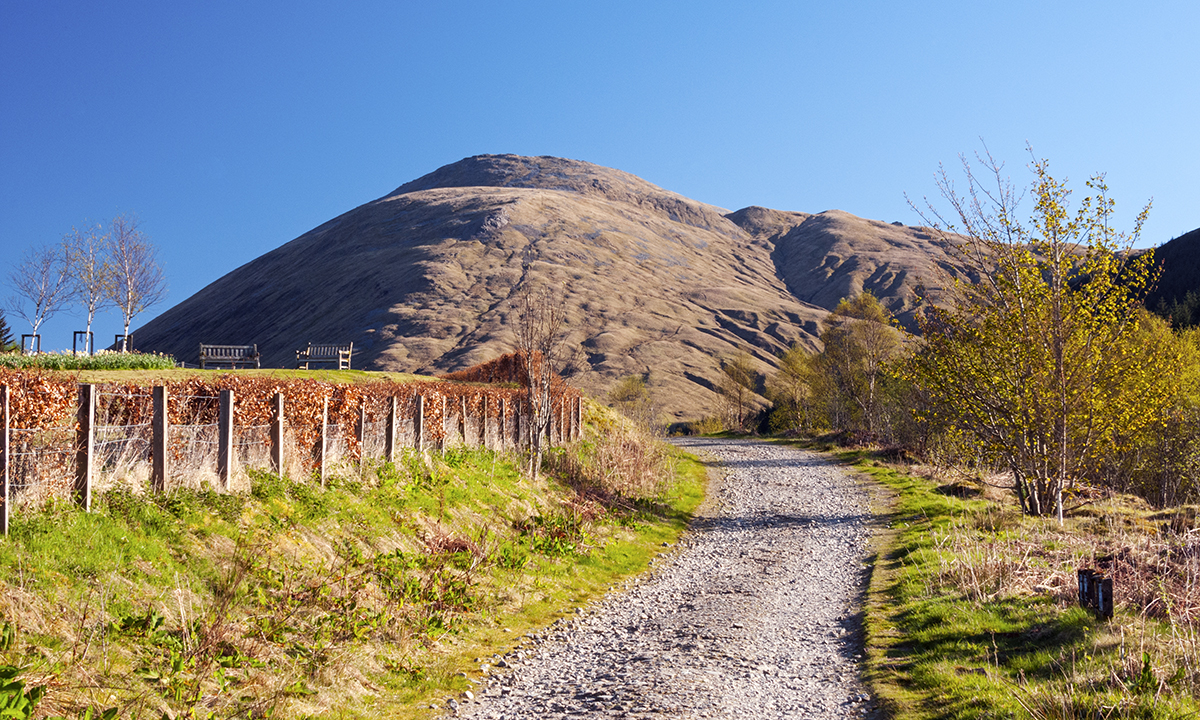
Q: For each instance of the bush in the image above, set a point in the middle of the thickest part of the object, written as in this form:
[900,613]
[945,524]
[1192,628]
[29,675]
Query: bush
[103,360]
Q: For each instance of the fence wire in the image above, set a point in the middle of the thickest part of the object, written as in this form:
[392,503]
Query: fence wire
[41,464]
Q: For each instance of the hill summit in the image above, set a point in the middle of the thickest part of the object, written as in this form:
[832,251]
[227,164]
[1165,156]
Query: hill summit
[426,278]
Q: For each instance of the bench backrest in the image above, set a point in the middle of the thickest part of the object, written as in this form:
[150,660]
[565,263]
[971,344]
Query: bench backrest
[225,352]
[328,349]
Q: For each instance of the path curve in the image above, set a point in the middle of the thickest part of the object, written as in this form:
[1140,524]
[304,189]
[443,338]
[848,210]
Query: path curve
[755,615]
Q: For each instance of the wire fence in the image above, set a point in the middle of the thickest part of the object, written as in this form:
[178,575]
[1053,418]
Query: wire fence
[41,464]
[63,440]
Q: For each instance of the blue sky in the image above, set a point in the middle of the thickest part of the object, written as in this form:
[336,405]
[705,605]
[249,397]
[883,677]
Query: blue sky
[230,128]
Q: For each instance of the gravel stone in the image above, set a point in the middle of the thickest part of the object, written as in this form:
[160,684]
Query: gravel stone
[754,615]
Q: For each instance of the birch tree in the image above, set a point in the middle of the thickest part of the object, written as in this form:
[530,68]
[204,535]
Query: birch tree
[91,271]
[791,391]
[860,342]
[1037,358]
[137,278]
[42,284]
[736,387]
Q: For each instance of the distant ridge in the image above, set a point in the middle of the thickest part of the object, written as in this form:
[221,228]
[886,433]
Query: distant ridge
[425,278]
[1180,262]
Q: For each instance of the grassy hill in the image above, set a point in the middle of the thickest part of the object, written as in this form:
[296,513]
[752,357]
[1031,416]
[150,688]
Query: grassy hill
[426,278]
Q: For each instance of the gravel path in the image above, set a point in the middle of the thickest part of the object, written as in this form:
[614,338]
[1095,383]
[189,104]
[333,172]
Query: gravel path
[754,615]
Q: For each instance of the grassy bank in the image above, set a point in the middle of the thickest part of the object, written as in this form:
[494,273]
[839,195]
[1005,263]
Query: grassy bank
[369,597]
[972,610]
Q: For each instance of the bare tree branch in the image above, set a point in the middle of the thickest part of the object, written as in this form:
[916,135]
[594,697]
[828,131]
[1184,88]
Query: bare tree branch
[539,329]
[42,281]
[138,281]
[91,271]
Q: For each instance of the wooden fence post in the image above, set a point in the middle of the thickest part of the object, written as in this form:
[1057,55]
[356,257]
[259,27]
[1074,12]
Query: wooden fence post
[445,423]
[5,474]
[159,441]
[277,420]
[419,423]
[85,440]
[225,454]
[579,417]
[462,418]
[500,428]
[560,424]
[323,445]
[569,410]
[389,436]
[522,426]
[484,424]
[361,430]
[519,429]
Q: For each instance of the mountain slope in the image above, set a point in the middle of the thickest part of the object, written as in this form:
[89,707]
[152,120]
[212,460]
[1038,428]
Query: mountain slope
[426,278]
[1180,262]
[832,255]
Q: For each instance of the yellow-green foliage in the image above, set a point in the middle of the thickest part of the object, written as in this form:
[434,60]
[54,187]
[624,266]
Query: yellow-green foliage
[851,370]
[1039,358]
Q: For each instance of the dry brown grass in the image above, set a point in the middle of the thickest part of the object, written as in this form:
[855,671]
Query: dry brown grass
[619,462]
[993,552]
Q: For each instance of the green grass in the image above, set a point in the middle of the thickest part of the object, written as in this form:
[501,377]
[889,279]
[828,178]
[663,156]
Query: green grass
[369,597]
[948,640]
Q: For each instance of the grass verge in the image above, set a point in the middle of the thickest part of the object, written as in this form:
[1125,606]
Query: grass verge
[971,611]
[372,596]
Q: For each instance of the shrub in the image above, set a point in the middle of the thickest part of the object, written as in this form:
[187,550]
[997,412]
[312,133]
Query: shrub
[103,360]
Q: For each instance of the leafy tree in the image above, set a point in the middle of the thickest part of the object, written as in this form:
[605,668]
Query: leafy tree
[1038,359]
[1163,465]
[137,278]
[860,342]
[631,395]
[738,381]
[790,390]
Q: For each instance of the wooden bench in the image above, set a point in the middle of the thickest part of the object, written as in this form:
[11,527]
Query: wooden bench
[228,355]
[325,353]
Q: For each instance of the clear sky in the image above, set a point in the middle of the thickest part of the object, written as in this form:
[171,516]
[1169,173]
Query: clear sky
[230,128]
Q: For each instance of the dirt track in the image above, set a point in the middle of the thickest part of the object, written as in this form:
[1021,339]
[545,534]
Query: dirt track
[754,615]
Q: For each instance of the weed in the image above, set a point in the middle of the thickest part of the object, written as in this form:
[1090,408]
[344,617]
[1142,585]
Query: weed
[17,702]
[8,635]
[554,534]
[511,555]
